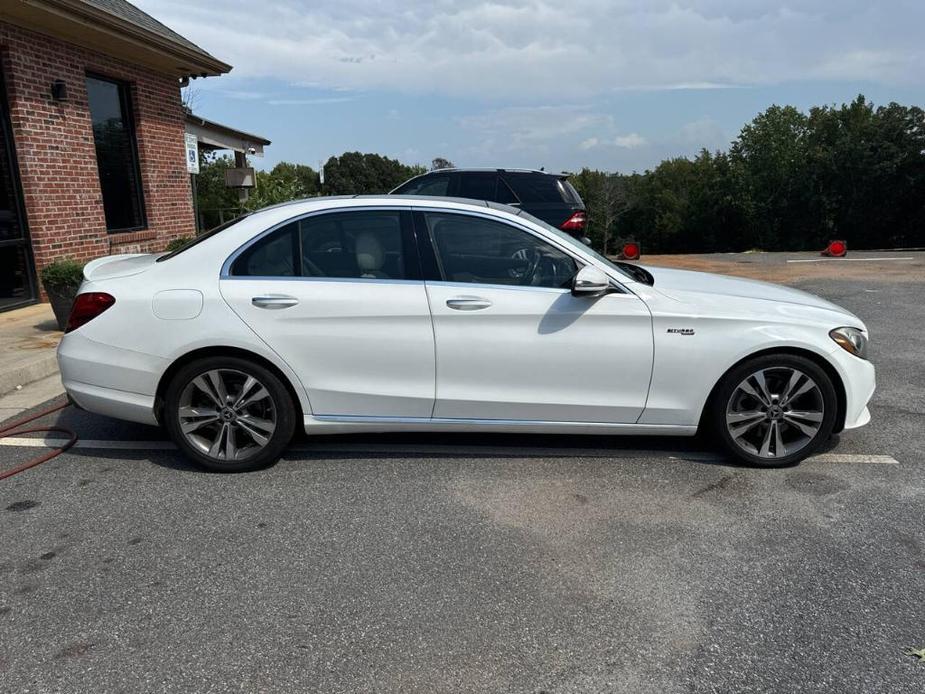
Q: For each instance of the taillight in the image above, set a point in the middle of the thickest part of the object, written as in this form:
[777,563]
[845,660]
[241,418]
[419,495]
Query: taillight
[576,222]
[87,307]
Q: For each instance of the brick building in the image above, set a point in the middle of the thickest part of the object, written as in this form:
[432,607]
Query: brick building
[92,154]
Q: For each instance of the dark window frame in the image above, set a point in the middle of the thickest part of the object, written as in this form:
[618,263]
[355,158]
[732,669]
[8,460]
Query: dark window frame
[127,107]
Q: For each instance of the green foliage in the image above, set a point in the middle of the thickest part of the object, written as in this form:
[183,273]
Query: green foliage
[177,243]
[353,173]
[62,275]
[790,181]
[916,653]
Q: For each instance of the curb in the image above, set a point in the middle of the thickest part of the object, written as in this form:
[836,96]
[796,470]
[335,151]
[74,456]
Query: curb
[42,366]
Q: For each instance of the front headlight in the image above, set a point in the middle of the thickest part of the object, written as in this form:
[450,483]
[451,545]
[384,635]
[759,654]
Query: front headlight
[851,340]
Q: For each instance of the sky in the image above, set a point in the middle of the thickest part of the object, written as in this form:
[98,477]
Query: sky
[617,85]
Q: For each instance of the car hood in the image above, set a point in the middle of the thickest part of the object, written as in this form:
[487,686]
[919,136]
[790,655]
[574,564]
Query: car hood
[673,283]
[112,266]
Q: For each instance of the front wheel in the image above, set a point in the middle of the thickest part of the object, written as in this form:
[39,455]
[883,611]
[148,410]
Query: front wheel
[774,410]
[228,414]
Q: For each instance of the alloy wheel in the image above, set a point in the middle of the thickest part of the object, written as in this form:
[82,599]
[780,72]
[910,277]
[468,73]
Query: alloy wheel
[775,412]
[227,414]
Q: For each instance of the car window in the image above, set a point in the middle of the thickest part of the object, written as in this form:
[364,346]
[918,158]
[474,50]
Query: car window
[364,244]
[426,185]
[536,187]
[272,256]
[358,244]
[484,251]
[478,186]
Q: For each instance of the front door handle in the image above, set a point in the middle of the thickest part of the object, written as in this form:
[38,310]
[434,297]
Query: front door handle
[274,301]
[468,303]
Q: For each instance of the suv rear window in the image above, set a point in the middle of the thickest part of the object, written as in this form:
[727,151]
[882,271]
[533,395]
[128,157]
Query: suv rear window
[536,187]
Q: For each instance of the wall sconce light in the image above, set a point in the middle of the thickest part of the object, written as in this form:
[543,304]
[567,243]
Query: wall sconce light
[59,90]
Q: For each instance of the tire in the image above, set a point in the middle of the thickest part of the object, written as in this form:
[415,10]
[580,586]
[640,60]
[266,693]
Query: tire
[241,423]
[776,423]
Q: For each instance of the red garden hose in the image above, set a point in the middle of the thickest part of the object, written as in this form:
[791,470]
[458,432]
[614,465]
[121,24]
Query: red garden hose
[14,430]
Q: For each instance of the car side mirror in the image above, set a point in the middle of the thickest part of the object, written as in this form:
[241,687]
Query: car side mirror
[590,282]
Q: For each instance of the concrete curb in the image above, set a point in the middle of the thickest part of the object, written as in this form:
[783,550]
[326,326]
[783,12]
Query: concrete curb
[35,369]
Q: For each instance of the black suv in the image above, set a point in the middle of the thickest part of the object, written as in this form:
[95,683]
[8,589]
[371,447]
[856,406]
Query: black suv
[547,196]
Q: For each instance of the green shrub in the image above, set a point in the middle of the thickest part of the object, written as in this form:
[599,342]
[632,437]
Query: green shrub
[176,244]
[62,274]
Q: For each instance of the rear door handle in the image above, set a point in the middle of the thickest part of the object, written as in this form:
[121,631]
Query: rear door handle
[274,301]
[468,303]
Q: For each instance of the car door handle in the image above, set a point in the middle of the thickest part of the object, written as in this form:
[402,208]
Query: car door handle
[468,303]
[274,301]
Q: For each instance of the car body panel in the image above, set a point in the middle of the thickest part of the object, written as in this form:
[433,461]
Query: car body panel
[360,348]
[540,354]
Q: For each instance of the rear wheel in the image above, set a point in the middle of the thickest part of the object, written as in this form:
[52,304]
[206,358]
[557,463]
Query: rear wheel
[228,414]
[774,410]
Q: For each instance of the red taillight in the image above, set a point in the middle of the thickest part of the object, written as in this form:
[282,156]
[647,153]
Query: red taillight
[576,222]
[87,307]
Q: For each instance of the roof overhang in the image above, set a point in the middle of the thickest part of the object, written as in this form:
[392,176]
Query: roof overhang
[90,27]
[212,135]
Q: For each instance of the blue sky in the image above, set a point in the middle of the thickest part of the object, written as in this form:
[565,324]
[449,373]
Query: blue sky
[610,84]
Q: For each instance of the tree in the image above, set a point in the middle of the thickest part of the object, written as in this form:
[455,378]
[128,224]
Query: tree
[606,200]
[353,173]
[441,163]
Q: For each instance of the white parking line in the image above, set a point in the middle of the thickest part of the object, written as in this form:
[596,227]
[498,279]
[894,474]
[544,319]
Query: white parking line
[850,260]
[853,458]
[424,449]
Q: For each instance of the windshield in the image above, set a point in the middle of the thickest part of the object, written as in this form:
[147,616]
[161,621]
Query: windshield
[202,237]
[572,241]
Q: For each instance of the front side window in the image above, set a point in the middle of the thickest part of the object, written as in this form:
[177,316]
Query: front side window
[361,245]
[484,251]
[116,154]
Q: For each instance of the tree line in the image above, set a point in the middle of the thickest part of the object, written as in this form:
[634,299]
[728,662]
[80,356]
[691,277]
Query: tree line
[789,181]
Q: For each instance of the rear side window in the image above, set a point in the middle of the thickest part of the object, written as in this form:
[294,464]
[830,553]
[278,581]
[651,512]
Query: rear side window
[478,186]
[363,245]
[353,244]
[426,185]
[532,188]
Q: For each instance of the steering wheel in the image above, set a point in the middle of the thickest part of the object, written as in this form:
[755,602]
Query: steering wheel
[525,277]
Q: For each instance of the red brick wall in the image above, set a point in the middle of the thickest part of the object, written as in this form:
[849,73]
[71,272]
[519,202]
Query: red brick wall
[57,157]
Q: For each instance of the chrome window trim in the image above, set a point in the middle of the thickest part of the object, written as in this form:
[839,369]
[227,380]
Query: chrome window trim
[225,273]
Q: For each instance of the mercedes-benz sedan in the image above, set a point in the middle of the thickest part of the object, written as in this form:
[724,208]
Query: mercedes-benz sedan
[374,314]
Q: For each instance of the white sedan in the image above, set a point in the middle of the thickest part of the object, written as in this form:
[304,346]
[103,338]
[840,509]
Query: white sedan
[374,314]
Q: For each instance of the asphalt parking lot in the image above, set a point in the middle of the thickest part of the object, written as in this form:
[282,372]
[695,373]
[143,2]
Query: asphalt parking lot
[482,563]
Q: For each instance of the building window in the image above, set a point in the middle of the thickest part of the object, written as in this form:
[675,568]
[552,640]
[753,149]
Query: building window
[116,154]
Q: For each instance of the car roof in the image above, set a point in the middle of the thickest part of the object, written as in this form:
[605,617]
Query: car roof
[386,200]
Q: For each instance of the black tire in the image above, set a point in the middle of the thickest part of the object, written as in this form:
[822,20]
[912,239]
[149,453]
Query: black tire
[278,402]
[728,387]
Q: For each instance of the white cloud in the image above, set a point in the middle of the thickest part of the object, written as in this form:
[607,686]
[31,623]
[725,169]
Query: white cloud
[320,101]
[590,143]
[533,50]
[631,141]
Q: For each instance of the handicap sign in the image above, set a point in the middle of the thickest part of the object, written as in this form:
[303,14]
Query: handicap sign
[192,154]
